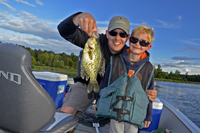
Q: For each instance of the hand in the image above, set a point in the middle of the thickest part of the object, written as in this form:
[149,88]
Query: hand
[152,94]
[86,22]
[146,124]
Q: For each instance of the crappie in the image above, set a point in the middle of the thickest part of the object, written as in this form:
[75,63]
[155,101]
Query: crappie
[92,63]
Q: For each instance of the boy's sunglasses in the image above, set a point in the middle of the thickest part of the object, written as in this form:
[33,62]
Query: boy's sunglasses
[141,42]
[122,34]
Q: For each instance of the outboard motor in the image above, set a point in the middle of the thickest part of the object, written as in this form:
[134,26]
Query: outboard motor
[79,62]
[25,106]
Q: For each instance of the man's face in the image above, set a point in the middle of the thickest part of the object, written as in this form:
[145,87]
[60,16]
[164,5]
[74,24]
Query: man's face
[116,43]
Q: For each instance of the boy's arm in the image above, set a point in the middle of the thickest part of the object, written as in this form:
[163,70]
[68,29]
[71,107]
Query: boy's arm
[146,124]
[152,93]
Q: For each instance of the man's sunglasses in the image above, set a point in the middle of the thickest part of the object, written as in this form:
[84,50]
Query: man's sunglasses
[122,34]
[141,42]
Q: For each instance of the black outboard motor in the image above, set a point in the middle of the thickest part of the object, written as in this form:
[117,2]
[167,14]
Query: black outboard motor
[25,106]
[79,62]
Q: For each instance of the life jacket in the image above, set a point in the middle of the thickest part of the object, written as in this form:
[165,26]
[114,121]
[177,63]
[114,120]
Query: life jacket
[124,99]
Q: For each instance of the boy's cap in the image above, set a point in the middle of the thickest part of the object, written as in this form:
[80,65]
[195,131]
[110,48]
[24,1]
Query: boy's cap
[119,22]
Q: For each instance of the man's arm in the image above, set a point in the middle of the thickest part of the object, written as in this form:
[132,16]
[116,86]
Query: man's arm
[77,28]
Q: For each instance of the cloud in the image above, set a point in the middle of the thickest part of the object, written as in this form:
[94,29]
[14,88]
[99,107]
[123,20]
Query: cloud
[3,17]
[164,24]
[192,71]
[192,45]
[34,42]
[162,59]
[190,49]
[144,23]
[39,2]
[191,41]
[102,22]
[184,58]
[6,4]
[136,24]
[188,70]
[182,66]
[25,2]
[28,24]
[180,17]
[27,30]
[102,30]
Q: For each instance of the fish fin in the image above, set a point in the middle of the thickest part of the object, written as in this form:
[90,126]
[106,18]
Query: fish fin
[102,68]
[83,72]
[93,87]
[86,77]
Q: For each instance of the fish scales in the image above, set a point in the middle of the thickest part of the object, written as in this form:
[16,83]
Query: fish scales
[92,63]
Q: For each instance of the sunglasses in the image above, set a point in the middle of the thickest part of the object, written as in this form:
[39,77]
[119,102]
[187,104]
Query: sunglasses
[141,42]
[122,34]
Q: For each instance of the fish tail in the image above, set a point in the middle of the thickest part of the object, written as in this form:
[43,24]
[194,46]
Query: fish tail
[102,68]
[94,87]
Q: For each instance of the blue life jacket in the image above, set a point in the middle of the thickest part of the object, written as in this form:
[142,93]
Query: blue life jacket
[124,99]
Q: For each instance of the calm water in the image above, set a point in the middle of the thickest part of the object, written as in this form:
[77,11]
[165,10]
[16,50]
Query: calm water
[185,97]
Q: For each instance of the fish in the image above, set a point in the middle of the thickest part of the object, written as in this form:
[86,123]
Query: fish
[92,63]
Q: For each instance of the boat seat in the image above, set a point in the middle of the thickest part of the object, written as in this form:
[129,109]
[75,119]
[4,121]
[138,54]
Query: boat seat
[25,106]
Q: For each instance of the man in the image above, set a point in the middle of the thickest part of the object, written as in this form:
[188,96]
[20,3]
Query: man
[77,29]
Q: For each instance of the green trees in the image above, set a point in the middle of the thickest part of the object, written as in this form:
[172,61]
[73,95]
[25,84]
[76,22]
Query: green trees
[51,59]
[158,73]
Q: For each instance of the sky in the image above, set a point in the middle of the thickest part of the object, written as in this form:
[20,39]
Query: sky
[176,23]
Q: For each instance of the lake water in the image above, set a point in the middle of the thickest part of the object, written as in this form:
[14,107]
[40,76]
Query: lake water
[185,97]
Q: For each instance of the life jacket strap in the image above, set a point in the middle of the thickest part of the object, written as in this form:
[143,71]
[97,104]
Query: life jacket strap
[120,113]
[124,98]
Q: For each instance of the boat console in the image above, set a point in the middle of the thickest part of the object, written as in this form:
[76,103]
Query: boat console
[25,106]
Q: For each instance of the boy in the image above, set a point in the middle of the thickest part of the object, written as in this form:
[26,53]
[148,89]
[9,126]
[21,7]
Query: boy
[126,79]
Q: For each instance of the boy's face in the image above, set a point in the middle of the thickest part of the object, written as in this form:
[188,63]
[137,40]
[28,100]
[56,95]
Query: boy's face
[116,43]
[136,48]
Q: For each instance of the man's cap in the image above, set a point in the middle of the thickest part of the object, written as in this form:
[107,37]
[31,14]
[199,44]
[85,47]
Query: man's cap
[119,22]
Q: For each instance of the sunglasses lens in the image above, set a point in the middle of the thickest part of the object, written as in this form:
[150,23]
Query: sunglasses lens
[122,35]
[144,43]
[141,42]
[113,33]
[133,40]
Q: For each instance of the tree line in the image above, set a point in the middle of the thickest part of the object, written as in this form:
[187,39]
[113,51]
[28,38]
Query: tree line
[177,76]
[51,59]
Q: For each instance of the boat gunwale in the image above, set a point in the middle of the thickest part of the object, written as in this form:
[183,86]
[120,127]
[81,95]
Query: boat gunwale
[183,118]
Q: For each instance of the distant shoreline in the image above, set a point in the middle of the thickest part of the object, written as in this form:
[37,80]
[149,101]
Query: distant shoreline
[72,74]
[177,81]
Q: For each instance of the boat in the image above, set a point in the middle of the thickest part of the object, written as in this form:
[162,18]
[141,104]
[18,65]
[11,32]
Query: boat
[26,107]
[170,118]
